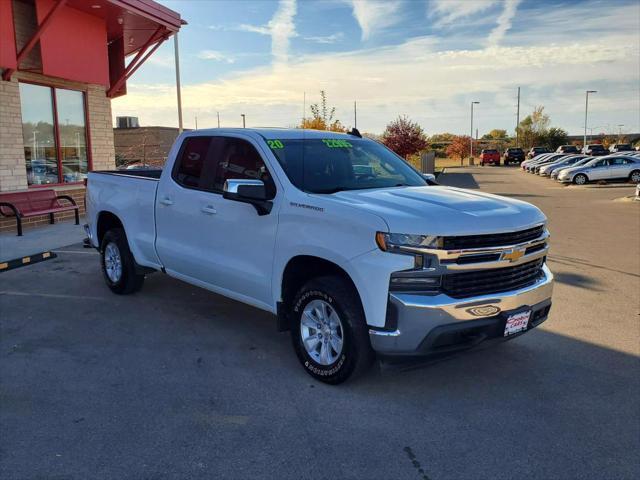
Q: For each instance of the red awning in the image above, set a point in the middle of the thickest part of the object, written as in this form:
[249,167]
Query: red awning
[88,40]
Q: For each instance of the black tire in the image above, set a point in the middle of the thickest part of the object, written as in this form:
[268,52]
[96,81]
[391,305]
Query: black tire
[356,355]
[129,281]
[634,176]
[580,179]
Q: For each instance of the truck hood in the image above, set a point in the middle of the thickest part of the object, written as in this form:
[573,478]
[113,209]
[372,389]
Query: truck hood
[438,210]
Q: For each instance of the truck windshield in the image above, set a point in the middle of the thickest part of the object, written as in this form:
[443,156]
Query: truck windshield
[332,165]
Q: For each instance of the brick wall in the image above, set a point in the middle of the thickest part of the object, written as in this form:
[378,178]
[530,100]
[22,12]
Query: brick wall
[148,145]
[13,173]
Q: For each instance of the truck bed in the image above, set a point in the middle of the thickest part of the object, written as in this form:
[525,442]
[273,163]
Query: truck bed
[130,195]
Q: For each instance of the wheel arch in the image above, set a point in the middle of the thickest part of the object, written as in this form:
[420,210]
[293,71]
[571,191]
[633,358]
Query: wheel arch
[106,221]
[299,270]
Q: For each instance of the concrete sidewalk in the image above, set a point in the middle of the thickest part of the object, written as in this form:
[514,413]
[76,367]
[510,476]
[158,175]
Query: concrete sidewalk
[40,239]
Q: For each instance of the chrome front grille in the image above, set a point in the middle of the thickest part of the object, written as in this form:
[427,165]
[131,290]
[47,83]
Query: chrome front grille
[492,240]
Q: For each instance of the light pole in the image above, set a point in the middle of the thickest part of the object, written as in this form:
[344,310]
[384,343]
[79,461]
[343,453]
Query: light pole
[471,134]
[586,110]
[620,125]
[178,90]
[243,120]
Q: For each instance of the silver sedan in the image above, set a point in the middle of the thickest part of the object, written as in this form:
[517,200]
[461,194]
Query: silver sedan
[611,167]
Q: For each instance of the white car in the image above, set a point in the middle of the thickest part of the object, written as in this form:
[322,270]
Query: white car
[611,167]
[352,250]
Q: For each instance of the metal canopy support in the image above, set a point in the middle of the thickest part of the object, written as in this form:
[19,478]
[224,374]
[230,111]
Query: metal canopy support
[138,60]
[35,38]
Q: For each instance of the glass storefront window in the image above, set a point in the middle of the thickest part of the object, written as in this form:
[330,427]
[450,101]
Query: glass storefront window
[73,138]
[38,134]
[54,134]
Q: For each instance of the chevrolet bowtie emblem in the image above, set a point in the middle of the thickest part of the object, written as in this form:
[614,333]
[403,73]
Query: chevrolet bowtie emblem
[513,255]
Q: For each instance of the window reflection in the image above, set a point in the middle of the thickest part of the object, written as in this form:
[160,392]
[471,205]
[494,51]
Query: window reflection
[73,147]
[39,135]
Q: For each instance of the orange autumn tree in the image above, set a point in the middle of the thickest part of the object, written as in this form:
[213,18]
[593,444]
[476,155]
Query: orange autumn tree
[322,117]
[459,147]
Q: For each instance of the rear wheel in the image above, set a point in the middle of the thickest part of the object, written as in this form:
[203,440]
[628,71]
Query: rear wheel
[118,264]
[580,179]
[329,332]
[635,176]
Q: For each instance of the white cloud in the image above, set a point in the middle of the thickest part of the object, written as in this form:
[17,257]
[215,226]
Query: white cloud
[281,28]
[449,11]
[328,39]
[214,55]
[504,22]
[373,15]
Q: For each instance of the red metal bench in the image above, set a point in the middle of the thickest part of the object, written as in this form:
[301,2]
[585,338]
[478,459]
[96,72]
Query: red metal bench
[33,203]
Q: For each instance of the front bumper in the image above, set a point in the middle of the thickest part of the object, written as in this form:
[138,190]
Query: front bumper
[424,325]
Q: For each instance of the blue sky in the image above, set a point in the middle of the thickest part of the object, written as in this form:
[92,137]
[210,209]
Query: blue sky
[425,59]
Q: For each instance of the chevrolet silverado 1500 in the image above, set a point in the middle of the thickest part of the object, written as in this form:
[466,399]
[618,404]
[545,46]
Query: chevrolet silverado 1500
[355,252]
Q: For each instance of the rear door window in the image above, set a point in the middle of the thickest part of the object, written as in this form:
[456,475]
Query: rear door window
[189,167]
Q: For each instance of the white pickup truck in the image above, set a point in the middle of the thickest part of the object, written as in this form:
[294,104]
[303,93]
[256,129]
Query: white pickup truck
[353,250]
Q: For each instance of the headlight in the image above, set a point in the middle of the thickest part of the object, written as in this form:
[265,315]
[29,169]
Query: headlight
[390,242]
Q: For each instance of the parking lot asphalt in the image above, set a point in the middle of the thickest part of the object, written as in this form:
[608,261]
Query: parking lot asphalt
[176,382]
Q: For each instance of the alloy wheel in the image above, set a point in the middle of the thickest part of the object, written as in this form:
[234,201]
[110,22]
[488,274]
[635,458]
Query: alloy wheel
[321,332]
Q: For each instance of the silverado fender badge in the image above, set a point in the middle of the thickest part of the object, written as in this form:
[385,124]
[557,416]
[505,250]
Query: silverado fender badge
[513,255]
[485,311]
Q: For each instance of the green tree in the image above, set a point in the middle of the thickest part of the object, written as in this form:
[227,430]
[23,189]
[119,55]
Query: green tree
[554,137]
[404,137]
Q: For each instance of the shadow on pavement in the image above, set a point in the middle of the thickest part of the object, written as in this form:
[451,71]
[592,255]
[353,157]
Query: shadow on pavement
[460,180]
[576,280]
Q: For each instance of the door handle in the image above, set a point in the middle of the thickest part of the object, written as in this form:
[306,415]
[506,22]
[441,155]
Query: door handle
[209,210]
[166,201]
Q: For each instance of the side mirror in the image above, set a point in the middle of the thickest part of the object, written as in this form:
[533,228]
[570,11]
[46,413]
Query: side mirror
[249,191]
[430,178]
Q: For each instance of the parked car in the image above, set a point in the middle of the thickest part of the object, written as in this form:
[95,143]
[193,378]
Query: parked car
[535,169]
[489,156]
[613,167]
[524,164]
[535,151]
[567,149]
[621,147]
[564,162]
[554,174]
[531,167]
[238,212]
[513,155]
[595,150]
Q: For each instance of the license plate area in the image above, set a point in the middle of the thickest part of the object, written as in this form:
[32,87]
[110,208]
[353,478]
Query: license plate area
[517,322]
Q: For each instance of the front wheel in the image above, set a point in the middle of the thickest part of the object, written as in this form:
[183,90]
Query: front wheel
[580,179]
[635,176]
[329,332]
[118,264]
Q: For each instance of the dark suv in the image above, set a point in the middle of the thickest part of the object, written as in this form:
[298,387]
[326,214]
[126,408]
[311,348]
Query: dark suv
[595,150]
[513,155]
[567,149]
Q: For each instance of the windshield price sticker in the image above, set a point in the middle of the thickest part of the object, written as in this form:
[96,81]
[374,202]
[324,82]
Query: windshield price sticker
[275,144]
[333,143]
